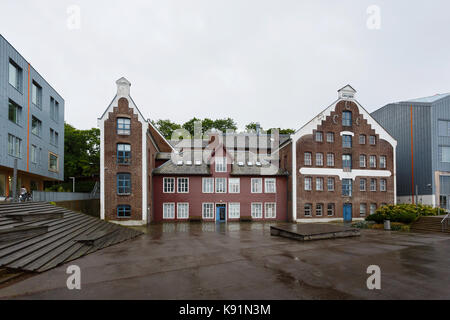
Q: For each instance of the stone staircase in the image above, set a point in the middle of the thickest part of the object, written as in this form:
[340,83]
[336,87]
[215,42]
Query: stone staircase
[430,224]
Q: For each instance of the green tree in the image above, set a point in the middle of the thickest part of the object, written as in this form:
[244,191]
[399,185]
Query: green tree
[252,126]
[166,127]
[189,125]
[224,124]
[281,131]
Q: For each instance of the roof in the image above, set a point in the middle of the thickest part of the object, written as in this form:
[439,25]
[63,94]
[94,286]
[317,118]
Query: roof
[430,99]
[185,169]
[38,236]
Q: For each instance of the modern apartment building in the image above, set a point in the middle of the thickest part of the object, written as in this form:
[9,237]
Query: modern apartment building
[422,128]
[31,124]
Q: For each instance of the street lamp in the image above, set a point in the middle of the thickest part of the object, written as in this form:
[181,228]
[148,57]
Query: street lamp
[73,183]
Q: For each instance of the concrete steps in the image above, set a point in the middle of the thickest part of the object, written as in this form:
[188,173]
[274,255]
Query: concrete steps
[429,224]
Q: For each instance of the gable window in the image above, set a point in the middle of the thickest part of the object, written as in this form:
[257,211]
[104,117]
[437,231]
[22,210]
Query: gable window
[270,210]
[319,136]
[362,139]
[123,183]
[183,185]
[319,209]
[330,209]
[347,187]
[362,184]
[373,161]
[373,184]
[208,185]
[372,140]
[383,162]
[208,210]
[270,185]
[169,210]
[15,75]
[14,112]
[346,161]
[123,153]
[36,126]
[221,185]
[308,184]
[346,141]
[182,210]
[362,161]
[330,159]
[319,159]
[168,185]
[256,210]
[308,209]
[36,95]
[234,185]
[221,164]
[362,209]
[383,185]
[234,210]
[123,126]
[347,118]
[330,184]
[123,211]
[308,159]
[14,146]
[330,137]
[319,184]
[256,185]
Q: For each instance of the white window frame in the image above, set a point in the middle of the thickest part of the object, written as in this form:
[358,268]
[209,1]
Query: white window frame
[363,141]
[363,163]
[234,185]
[310,183]
[319,159]
[333,209]
[310,209]
[365,184]
[374,138]
[224,185]
[383,185]
[362,213]
[319,205]
[273,213]
[330,159]
[372,205]
[319,186]
[255,205]
[330,134]
[328,184]
[234,210]
[207,185]
[178,184]
[373,161]
[164,184]
[259,190]
[220,164]
[268,182]
[206,207]
[371,185]
[307,158]
[383,162]
[185,214]
[319,134]
[172,213]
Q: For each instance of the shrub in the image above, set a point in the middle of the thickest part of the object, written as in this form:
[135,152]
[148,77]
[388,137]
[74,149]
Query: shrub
[404,213]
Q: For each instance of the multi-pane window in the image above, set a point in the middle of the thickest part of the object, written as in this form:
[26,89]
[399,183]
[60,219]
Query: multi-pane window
[15,75]
[34,153]
[362,184]
[346,141]
[234,185]
[208,185]
[373,184]
[14,112]
[373,161]
[319,159]
[308,159]
[183,185]
[36,126]
[52,136]
[346,161]
[319,209]
[270,185]
[270,210]
[372,140]
[444,128]
[319,136]
[330,137]
[123,126]
[330,209]
[330,159]
[445,153]
[221,185]
[168,185]
[54,109]
[53,162]
[330,184]
[257,210]
[319,184]
[362,209]
[123,153]
[362,161]
[373,208]
[123,183]
[234,210]
[347,187]
[14,146]
[36,95]
[221,164]
[256,185]
[308,183]
[169,210]
[182,210]
[208,210]
[362,139]
[347,118]
[383,162]
[383,185]
[123,211]
[308,209]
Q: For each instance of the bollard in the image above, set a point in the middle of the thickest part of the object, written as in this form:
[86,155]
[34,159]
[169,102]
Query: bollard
[387,224]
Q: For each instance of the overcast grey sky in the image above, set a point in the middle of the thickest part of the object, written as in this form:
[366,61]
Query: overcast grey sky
[276,62]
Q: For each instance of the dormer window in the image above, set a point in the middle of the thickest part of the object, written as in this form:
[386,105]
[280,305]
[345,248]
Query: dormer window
[347,118]
[319,136]
[123,126]
[221,164]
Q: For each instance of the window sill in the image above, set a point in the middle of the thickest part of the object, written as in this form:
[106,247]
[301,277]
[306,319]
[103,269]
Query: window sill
[124,194]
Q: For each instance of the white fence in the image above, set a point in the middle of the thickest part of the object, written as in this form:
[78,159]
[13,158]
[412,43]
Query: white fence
[46,196]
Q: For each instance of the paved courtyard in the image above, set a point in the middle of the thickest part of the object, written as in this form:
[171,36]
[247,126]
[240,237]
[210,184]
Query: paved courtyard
[242,261]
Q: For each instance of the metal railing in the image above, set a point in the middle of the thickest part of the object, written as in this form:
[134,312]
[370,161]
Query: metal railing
[444,222]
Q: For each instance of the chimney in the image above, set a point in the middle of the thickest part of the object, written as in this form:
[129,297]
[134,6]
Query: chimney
[123,87]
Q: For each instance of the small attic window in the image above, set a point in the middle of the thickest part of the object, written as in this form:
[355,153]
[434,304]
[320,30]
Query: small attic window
[180,163]
[258,164]
[189,162]
[241,164]
[249,163]
[198,162]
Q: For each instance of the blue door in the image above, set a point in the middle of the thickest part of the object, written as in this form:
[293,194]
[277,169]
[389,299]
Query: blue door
[347,212]
[220,213]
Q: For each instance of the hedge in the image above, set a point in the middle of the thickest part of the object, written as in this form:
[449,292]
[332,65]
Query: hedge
[404,213]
